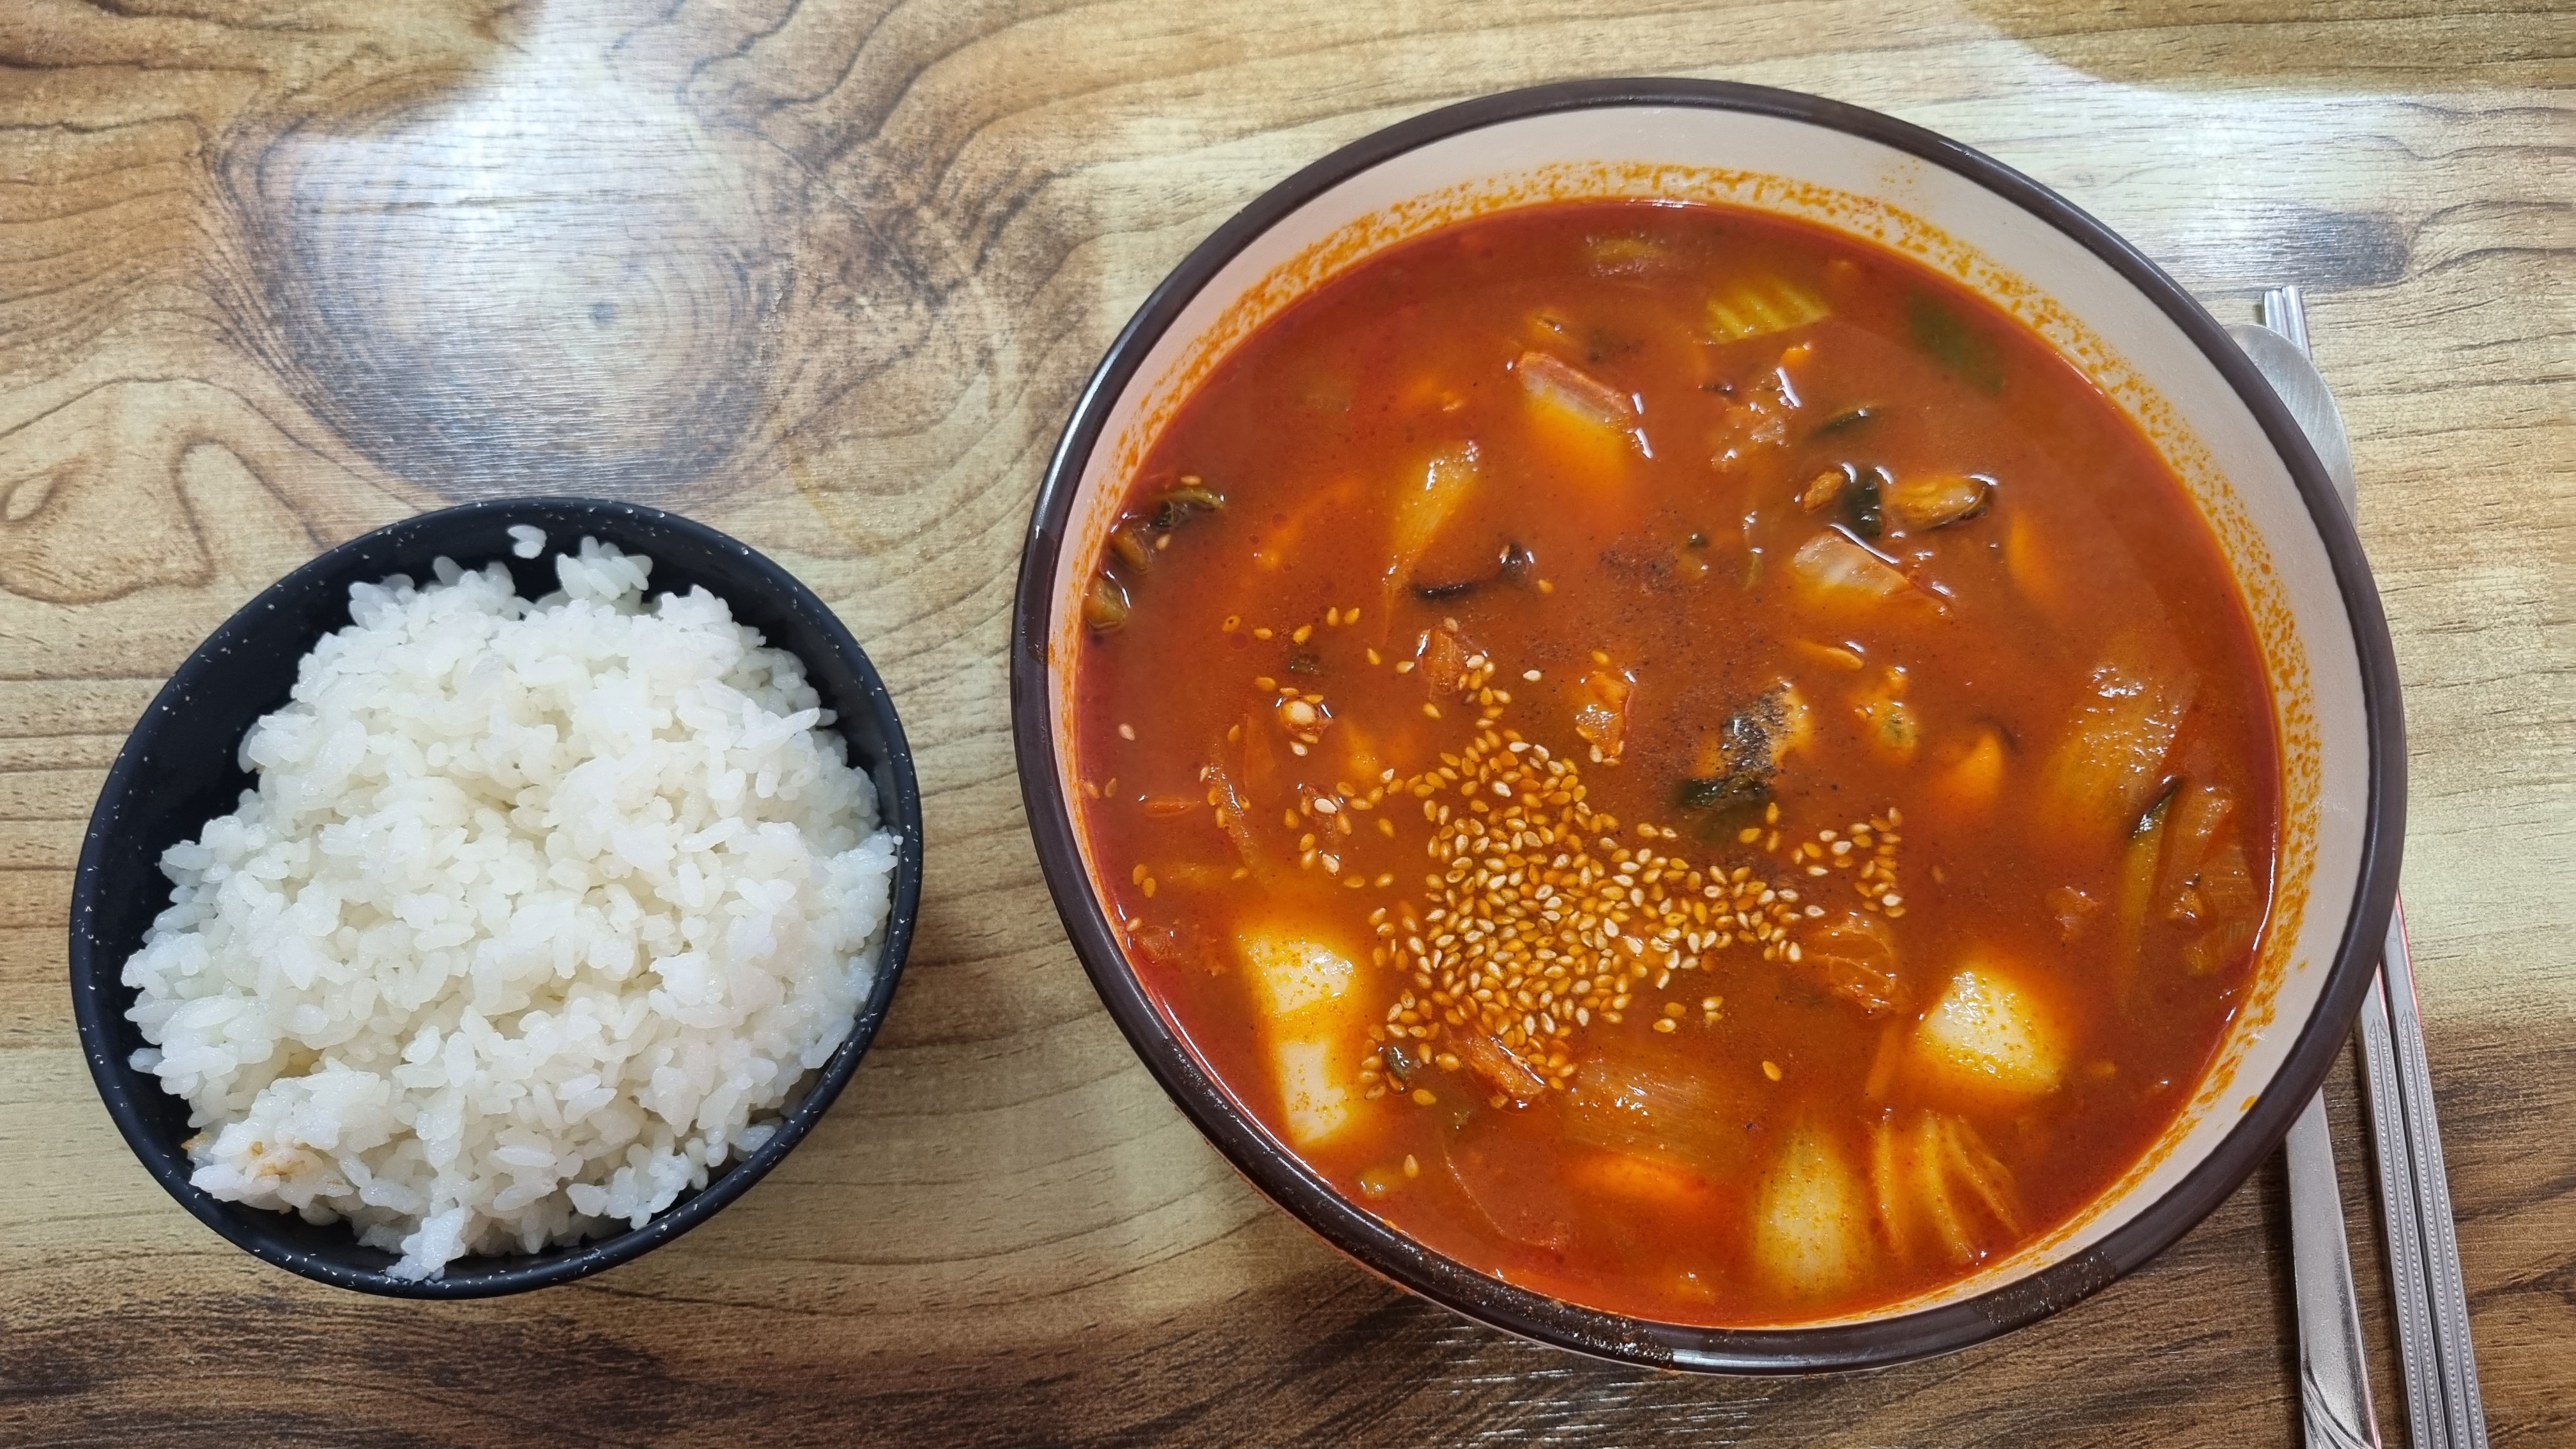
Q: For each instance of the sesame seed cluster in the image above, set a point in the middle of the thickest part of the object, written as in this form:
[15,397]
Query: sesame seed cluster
[1537,919]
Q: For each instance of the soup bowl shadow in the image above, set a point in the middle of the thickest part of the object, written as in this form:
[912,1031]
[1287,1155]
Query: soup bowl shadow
[2320,622]
[180,768]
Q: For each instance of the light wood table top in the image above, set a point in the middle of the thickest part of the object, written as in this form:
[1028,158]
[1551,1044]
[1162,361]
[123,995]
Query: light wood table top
[828,274]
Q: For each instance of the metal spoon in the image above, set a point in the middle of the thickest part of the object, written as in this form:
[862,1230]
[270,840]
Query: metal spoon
[2334,1379]
[2445,1409]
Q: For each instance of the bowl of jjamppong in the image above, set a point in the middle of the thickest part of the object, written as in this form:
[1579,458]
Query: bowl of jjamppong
[1688,735]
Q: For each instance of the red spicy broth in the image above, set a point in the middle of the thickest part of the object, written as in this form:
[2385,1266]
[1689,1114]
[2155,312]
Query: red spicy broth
[1680,759]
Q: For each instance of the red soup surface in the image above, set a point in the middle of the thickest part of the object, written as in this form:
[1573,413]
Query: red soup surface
[1680,759]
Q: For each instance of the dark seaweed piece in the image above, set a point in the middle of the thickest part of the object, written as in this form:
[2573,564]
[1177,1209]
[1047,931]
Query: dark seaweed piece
[1519,564]
[1191,495]
[1434,593]
[1951,341]
[1864,506]
[1752,733]
[1305,663]
[1400,1065]
[1710,792]
[1746,764]
[1722,804]
[1848,418]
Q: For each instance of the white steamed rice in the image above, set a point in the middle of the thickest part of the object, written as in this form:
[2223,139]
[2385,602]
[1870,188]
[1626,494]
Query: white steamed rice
[537,915]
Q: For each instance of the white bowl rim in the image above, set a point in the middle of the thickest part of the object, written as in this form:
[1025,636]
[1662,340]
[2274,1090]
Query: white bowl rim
[1799,1349]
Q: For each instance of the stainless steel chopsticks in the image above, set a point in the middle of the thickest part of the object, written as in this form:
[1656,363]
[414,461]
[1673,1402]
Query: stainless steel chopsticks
[2443,1406]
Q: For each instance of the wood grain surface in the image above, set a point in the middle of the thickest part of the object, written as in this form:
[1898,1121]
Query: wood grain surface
[827,274]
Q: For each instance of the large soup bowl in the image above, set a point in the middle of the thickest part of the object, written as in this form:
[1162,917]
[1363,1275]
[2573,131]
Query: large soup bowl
[2106,308]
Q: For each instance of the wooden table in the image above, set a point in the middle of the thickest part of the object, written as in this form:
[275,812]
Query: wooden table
[828,273]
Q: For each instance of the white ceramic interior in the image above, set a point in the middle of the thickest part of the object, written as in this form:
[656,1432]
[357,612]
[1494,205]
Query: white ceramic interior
[2127,340]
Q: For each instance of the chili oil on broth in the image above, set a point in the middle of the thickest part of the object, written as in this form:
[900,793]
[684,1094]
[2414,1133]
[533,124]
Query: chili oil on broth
[1809,712]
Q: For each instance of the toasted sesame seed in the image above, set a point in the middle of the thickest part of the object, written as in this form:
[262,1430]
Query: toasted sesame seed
[1126,732]
[1535,919]
[1772,1070]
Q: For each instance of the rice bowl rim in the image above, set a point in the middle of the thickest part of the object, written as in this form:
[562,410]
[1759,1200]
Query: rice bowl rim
[479,531]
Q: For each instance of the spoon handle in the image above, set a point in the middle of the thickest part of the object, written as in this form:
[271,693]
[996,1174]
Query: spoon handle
[2334,1377]
[2334,1380]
